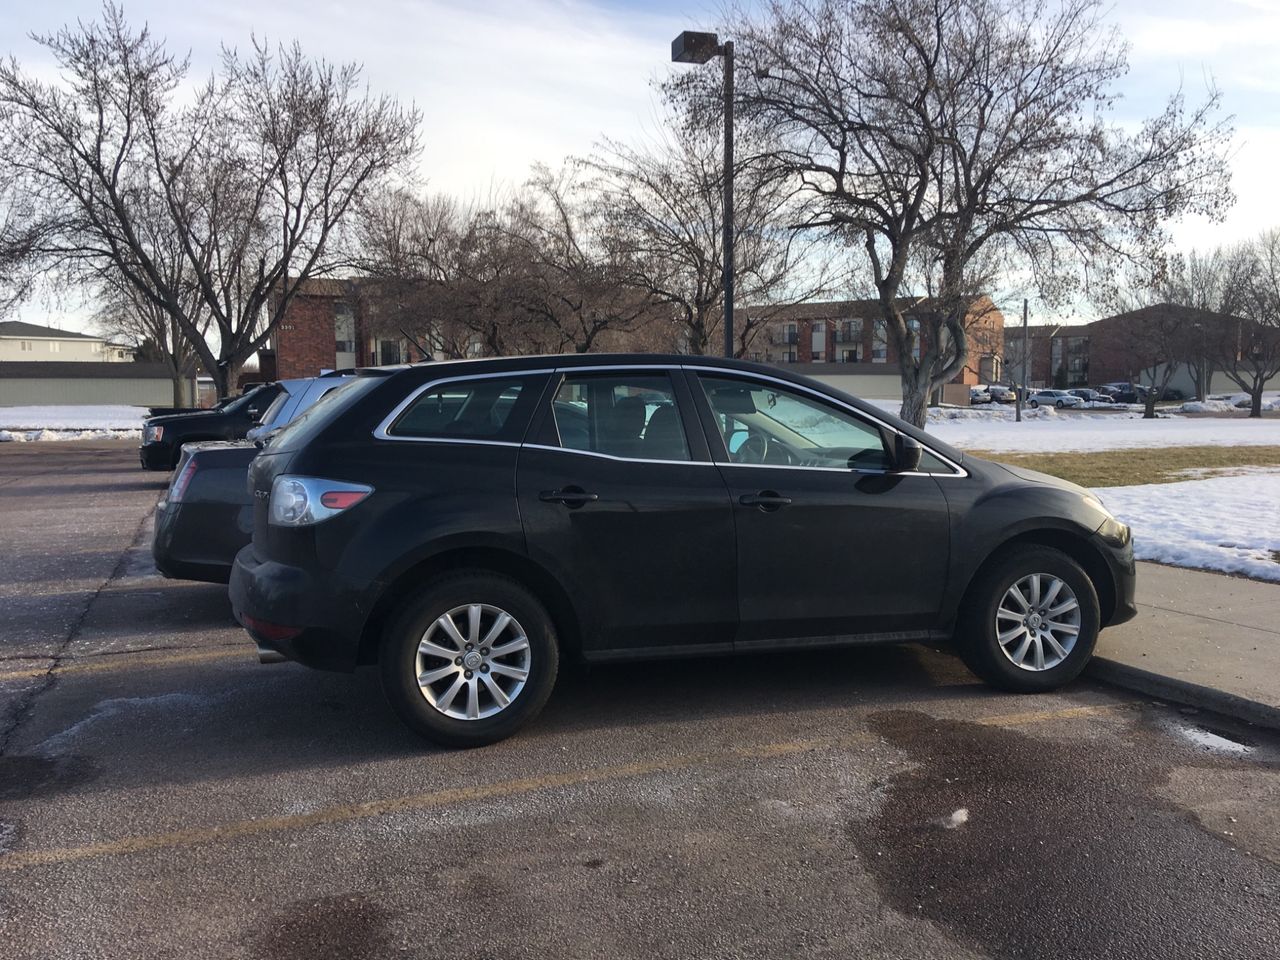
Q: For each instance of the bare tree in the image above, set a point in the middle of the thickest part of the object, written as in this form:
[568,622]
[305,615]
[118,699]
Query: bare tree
[576,286]
[965,128]
[663,204]
[1250,352]
[255,174]
[125,314]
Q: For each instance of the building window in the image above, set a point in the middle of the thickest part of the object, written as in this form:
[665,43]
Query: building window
[879,343]
[848,356]
[1069,362]
[54,346]
[818,340]
[26,346]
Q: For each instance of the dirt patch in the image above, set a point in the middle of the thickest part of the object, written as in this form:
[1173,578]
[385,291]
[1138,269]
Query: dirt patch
[344,927]
[1014,873]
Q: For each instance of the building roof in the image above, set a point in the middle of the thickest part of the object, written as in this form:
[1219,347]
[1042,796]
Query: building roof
[865,309]
[16,328]
[82,370]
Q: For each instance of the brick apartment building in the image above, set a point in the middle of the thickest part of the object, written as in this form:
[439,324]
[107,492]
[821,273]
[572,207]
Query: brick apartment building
[1108,350]
[326,329]
[849,333]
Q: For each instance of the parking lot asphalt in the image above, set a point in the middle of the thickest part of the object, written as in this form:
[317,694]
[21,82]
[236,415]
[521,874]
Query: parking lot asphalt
[164,795]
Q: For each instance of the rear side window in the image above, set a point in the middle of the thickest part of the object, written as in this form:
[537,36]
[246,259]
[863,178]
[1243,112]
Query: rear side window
[486,408]
[621,415]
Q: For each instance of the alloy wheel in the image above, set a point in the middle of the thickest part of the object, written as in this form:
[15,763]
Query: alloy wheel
[473,661]
[1037,622]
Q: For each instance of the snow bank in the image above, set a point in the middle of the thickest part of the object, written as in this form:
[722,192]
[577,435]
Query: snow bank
[103,417]
[19,436]
[1230,404]
[1229,524]
[101,422]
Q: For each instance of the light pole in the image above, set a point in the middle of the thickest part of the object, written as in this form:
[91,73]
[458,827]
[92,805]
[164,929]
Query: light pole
[691,47]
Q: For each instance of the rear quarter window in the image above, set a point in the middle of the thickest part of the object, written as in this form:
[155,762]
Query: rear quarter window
[483,408]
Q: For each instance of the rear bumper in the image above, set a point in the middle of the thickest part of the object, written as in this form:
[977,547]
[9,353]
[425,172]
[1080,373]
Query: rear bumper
[287,609]
[173,542]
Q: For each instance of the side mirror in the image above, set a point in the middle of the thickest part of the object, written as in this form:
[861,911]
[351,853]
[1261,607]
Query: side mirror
[906,453]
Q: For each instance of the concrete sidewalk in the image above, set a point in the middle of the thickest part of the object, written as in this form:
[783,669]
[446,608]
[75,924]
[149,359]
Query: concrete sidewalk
[1202,639]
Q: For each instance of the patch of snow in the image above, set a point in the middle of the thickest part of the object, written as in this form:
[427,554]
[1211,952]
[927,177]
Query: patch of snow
[1228,524]
[957,819]
[1230,403]
[81,418]
[183,703]
[23,436]
[1213,742]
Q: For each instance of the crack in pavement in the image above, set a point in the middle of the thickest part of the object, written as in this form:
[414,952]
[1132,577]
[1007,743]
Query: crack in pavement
[26,703]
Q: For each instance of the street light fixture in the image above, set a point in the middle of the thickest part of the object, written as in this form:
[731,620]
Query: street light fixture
[693,47]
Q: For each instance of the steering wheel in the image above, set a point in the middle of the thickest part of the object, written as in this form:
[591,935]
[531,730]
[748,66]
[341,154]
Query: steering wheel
[754,449]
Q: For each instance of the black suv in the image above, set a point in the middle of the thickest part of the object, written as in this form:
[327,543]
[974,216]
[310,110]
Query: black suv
[464,525]
[163,437]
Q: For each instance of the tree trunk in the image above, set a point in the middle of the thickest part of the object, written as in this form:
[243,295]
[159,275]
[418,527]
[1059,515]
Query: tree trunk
[1255,400]
[915,398]
[1149,405]
[178,399]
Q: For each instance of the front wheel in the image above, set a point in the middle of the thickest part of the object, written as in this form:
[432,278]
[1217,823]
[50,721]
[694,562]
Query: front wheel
[469,661]
[1034,403]
[1030,621]
[1060,404]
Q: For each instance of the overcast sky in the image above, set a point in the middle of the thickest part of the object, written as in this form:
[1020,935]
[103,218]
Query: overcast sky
[504,83]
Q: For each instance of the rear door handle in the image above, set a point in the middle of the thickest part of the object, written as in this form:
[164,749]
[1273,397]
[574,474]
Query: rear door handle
[766,500]
[569,496]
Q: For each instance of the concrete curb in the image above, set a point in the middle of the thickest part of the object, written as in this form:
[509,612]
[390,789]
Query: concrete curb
[1184,692]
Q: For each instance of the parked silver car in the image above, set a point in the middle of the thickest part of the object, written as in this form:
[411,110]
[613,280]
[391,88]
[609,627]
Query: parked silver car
[1054,398]
[296,396]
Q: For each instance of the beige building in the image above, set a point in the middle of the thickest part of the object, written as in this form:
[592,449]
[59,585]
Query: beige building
[31,342]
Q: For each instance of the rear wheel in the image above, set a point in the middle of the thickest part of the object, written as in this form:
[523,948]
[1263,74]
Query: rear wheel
[1060,404]
[469,661]
[1030,621]
[1034,403]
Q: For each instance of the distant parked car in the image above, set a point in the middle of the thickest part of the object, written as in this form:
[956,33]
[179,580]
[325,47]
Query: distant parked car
[1090,396]
[979,395]
[1002,394]
[1054,398]
[163,437]
[207,514]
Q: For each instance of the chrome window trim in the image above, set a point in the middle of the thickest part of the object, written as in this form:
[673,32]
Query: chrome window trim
[752,375]
[609,456]
[380,432]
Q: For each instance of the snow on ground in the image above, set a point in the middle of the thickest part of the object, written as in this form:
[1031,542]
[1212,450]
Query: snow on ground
[101,417]
[1229,524]
[1230,404]
[101,422]
[1047,431]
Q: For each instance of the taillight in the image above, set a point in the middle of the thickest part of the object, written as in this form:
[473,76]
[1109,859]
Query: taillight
[178,488]
[300,501]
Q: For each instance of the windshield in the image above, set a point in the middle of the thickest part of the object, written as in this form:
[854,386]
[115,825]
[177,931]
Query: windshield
[235,406]
[273,411]
[301,429]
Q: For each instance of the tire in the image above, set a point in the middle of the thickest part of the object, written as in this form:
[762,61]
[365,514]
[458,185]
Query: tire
[1033,403]
[1060,404]
[990,595]
[422,619]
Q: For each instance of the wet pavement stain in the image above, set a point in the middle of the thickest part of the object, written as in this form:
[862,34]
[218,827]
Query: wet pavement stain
[23,776]
[1066,849]
[341,927]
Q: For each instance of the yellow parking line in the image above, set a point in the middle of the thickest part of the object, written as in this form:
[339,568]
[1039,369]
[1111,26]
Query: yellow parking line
[345,813]
[128,661]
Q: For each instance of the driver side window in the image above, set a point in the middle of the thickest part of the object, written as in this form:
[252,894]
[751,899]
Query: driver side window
[769,424]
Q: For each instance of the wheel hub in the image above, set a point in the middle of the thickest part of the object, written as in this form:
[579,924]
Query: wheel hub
[472,660]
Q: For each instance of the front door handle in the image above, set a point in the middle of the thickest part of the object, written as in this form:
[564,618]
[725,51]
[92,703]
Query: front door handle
[569,496]
[766,500]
